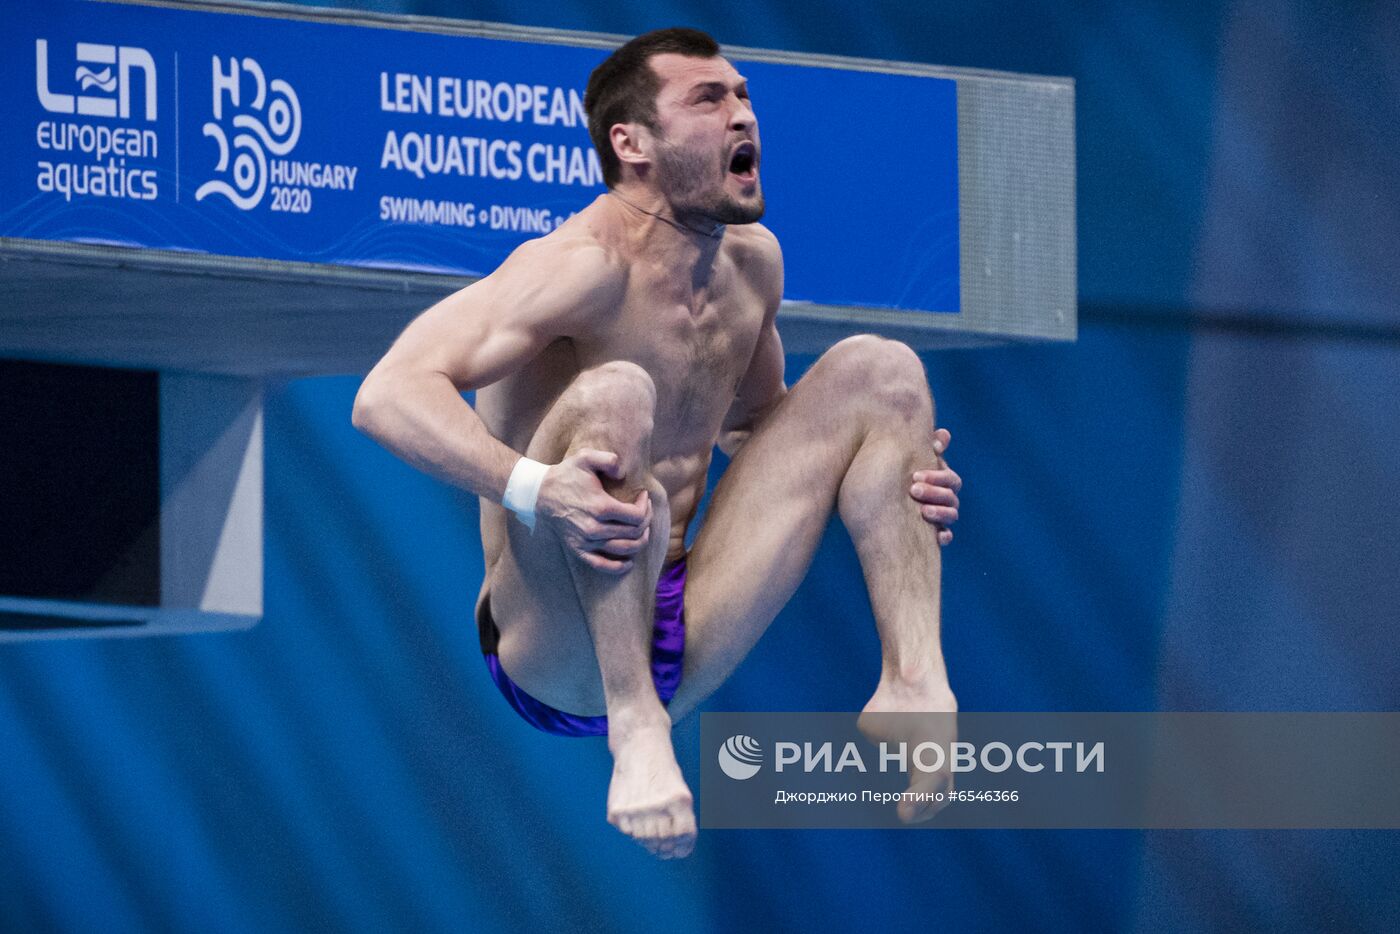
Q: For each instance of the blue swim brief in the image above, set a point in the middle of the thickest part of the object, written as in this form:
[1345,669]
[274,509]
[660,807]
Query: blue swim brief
[667,655]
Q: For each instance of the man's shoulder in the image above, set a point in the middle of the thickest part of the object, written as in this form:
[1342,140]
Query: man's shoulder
[574,257]
[754,241]
[759,258]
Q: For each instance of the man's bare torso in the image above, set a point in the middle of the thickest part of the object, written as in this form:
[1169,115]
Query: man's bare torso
[692,326]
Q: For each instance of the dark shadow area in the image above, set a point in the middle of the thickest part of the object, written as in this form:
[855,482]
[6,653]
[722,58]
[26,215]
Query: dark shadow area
[34,622]
[80,465]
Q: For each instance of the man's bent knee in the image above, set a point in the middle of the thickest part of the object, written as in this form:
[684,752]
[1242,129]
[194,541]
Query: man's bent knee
[614,387]
[866,368]
[612,406]
[609,407]
[871,358]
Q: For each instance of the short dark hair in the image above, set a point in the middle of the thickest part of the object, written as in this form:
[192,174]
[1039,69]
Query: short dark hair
[623,88]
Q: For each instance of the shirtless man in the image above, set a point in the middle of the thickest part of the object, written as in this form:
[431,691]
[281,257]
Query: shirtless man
[615,353]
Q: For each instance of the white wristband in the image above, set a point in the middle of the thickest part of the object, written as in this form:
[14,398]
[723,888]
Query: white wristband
[523,488]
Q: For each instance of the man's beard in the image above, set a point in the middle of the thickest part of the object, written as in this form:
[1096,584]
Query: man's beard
[690,187]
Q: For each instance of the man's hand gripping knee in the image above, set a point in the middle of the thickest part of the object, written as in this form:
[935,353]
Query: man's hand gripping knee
[936,489]
[600,530]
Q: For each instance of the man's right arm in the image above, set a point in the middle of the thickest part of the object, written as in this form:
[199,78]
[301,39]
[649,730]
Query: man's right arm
[411,401]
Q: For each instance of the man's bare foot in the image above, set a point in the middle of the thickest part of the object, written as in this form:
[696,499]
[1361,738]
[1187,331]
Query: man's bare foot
[648,799]
[892,715]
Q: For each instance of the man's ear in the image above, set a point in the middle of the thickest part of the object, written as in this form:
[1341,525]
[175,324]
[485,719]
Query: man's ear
[632,143]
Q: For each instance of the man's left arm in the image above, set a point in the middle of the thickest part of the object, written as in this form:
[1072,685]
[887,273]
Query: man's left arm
[762,387]
[760,390]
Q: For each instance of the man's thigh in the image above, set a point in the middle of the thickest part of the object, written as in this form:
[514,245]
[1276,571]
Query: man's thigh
[545,645]
[544,642]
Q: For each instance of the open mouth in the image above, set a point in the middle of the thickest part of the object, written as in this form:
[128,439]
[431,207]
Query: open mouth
[743,162]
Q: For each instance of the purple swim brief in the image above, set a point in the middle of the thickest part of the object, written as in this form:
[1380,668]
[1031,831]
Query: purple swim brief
[667,654]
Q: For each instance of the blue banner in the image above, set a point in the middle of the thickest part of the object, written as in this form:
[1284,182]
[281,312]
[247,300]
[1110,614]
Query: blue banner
[293,140]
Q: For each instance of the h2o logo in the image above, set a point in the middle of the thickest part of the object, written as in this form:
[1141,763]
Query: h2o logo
[270,121]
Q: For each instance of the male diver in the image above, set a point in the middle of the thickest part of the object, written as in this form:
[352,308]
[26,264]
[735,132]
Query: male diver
[615,353]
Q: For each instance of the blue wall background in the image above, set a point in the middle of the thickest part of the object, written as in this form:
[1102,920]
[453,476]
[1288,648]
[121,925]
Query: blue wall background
[1194,507]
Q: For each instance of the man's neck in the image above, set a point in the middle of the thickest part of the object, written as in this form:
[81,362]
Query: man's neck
[660,233]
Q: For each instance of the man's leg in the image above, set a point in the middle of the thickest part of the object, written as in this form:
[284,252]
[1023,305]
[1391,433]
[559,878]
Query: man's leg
[608,408]
[848,437]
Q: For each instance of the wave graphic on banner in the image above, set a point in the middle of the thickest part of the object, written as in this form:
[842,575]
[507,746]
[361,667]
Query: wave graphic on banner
[87,78]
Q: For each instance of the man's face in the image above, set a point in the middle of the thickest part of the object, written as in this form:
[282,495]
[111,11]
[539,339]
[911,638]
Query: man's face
[706,150]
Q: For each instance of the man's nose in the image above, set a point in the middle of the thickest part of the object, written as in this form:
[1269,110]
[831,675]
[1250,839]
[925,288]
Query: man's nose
[743,117]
